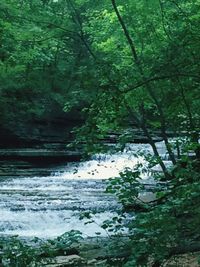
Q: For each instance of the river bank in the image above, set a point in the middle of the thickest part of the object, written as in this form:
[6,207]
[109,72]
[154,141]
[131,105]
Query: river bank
[90,252]
[98,251]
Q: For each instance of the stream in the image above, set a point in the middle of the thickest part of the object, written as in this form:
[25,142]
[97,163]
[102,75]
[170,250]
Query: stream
[48,206]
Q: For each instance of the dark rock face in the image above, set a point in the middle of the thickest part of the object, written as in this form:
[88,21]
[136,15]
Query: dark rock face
[132,135]
[37,140]
[55,128]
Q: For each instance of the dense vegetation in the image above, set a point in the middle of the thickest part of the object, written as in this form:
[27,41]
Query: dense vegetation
[127,63]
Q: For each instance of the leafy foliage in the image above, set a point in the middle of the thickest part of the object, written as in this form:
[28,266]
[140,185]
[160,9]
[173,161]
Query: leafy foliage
[126,64]
[17,252]
[165,226]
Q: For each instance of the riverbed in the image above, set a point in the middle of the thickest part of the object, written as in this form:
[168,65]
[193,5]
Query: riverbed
[49,205]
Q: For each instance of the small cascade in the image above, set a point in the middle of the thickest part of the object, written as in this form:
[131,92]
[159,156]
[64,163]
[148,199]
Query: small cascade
[49,206]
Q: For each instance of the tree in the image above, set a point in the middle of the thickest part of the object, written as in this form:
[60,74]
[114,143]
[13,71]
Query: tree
[137,62]
[127,64]
[42,61]
[148,72]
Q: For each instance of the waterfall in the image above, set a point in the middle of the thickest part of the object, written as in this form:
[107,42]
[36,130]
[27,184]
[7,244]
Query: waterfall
[49,206]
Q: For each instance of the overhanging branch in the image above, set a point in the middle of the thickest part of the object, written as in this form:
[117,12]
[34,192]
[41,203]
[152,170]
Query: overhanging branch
[164,77]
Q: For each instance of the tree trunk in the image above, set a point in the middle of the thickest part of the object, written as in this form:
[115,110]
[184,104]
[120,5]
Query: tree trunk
[147,86]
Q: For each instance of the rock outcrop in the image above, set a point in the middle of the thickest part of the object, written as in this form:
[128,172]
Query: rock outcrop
[54,129]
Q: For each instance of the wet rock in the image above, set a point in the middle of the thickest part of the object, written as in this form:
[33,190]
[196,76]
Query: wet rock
[33,155]
[102,263]
[183,260]
[17,208]
[91,262]
[132,135]
[104,248]
[62,261]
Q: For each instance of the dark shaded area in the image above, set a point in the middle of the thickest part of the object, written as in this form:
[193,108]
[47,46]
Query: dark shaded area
[49,132]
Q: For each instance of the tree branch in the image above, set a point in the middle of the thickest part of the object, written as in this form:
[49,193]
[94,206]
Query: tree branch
[126,32]
[164,77]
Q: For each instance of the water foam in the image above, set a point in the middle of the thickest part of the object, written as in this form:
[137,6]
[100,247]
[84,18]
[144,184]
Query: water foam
[50,206]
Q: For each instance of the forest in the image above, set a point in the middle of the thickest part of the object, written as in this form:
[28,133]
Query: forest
[111,66]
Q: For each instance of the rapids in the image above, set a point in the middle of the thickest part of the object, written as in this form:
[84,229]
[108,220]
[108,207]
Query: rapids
[49,206]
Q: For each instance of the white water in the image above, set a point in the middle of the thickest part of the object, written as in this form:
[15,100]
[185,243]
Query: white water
[50,206]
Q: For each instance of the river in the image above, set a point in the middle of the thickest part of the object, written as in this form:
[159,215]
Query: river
[48,206]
